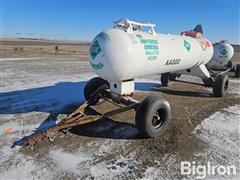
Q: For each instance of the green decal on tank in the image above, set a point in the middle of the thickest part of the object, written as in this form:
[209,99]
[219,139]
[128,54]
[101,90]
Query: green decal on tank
[97,66]
[104,36]
[223,52]
[152,52]
[95,50]
[149,41]
[187,45]
[151,48]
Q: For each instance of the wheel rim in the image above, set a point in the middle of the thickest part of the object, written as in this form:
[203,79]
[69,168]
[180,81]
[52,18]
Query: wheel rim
[158,118]
[226,85]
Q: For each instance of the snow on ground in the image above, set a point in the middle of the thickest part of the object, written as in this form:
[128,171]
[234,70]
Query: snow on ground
[32,73]
[27,96]
[15,165]
[24,167]
[162,170]
[79,163]
[221,132]
[234,88]
[16,59]
[121,167]
[70,162]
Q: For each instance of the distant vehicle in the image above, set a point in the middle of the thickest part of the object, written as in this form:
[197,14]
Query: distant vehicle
[131,50]
[222,55]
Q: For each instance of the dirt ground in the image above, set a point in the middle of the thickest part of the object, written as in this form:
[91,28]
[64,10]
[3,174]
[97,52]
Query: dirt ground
[36,92]
[24,48]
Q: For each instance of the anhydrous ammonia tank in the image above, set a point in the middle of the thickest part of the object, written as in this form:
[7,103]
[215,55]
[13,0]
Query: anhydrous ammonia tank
[126,52]
[223,51]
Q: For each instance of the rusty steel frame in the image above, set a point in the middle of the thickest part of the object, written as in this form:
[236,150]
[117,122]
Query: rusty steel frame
[78,117]
[215,73]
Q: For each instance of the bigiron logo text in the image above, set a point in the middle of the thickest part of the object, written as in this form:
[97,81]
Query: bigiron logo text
[200,171]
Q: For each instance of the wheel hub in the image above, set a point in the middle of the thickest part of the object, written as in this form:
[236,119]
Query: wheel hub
[157,120]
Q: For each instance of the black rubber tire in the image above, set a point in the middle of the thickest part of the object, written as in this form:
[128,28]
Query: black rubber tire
[145,113]
[165,79]
[229,64]
[220,85]
[237,71]
[92,85]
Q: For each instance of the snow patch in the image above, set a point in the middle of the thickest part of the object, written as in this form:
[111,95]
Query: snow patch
[221,132]
[153,173]
[122,167]
[17,127]
[234,87]
[24,167]
[16,59]
[70,162]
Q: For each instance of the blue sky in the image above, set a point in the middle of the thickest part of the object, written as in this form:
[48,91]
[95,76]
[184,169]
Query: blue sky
[82,19]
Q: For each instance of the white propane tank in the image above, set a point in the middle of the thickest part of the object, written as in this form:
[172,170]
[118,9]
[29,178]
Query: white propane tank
[223,52]
[125,52]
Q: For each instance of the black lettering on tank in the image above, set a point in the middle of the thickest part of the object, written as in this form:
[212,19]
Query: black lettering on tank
[172,62]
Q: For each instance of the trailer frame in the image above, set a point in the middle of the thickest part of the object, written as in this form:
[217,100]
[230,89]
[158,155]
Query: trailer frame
[80,117]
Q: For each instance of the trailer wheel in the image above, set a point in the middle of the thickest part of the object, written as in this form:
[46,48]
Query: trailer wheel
[237,71]
[92,85]
[165,79]
[152,116]
[229,64]
[220,85]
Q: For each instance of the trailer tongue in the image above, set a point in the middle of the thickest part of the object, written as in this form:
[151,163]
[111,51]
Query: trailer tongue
[80,115]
